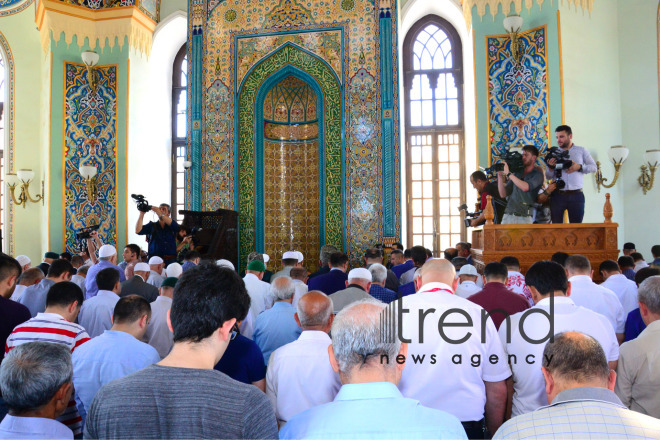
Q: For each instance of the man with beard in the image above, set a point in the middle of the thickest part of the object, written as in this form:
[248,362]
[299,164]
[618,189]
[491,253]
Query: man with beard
[520,188]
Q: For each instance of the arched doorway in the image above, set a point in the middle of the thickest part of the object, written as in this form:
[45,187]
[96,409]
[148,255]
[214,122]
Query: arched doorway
[293,64]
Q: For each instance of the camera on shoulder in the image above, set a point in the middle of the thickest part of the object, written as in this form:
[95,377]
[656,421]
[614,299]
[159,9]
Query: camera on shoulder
[563,163]
[512,158]
[142,203]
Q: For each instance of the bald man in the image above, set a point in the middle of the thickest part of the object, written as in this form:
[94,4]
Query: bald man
[299,374]
[438,350]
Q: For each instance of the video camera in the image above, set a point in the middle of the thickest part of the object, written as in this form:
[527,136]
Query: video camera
[563,163]
[142,203]
[512,158]
[85,233]
[469,216]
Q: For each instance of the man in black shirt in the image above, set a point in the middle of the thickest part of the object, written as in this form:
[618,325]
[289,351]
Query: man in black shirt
[487,188]
[161,234]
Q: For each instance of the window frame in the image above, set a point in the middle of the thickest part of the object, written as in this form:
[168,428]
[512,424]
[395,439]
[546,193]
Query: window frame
[177,142]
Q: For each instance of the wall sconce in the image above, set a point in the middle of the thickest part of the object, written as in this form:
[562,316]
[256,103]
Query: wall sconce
[648,174]
[23,178]
[513,23]
[91,58]
[618,155]
[88,174]
[187,164]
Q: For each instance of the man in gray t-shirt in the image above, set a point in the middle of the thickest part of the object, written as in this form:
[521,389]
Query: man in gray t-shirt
[521,188]
[183,396]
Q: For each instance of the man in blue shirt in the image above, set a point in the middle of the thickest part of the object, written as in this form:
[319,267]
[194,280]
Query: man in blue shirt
[35,381]
[655,251]
[34,297]
[161,235]
[107,259]
[369,404]
[277,326]
[116,353]
[96,313]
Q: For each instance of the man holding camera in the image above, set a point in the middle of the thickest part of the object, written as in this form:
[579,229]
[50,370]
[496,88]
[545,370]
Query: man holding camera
[161,234]
[486,188]
[570,198]
[521,188]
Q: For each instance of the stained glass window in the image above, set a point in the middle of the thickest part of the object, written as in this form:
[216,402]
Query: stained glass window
[179,131]
[434,133]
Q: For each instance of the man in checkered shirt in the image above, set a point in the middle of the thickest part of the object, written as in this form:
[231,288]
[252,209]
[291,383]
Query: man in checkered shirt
[579,385]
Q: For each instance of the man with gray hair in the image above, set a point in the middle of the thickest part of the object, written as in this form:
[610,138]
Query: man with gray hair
[324,260]
[639,360]
[36,385]
[299,374]
[357,288]
[277,326]
[578,385]
[369,405]
[378,289]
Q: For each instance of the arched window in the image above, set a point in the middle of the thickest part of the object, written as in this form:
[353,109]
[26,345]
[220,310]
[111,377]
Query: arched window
[179,130]
[3,134]
[435,149]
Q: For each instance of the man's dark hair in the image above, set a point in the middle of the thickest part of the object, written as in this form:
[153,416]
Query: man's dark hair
[77,260]
[58,267]
[629,245]
[609,266]
[645,273]
[547,277]
[9,267]
[576,357]
[429,253]
[459,262]
[397,245]
[107,278]
[510,262]
[289,261]
[130,308]
[418,255]
[337,259]
[31,275]
[169,208]
[655,251]
[450,253]
[66,256]
[373,253]
[135,249]
[531,149]
[407,253]
[193,255]
[565,128]
[396,252]
[63,294]
[205,297]
[298,273]
[636,256]
[462,244]
[479,175]
[626,261]
[578,264]
[496,270]
[560,258]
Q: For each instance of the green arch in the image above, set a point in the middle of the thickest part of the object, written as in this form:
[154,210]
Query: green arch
[248,193]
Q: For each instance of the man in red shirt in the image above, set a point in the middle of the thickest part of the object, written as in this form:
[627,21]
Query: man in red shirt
[486,188]
[495,298]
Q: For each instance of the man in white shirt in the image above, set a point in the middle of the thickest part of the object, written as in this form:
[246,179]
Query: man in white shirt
[28,278]
[258,290]
[299,277]
[618,283]
[450,367]
[639,261]
[515,281]
[156,265]
[158,333]
[586,293]
[468,281]
[299,374]
[96,312]
[524,348]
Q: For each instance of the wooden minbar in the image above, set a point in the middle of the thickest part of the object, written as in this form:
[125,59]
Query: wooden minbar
[532,243]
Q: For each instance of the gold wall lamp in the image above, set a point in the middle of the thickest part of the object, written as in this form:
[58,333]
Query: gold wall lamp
[618,155]
[23,178]
[513,23]
[647,177]
[88,173]
[91,58]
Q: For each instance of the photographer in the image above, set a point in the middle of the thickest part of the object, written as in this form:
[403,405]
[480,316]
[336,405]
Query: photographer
[521,188]
[486,188]
[161,234]
[570,198]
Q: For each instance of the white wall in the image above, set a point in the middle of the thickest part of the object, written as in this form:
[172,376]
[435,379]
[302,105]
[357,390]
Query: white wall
[150,126]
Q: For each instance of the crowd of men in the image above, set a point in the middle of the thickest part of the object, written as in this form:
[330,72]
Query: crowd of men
[402,346]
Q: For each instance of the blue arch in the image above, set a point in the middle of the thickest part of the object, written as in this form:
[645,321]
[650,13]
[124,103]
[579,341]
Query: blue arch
[267,85]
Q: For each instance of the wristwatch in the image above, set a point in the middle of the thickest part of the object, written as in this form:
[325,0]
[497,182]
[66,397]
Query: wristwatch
[508,174]
[580,170]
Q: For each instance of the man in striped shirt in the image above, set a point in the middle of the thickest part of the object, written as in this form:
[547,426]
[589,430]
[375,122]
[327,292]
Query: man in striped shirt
[56,325]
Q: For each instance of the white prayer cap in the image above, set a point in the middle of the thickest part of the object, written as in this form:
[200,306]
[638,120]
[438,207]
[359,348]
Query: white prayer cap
[468,269]
[23,260]
[299,256]
[360,272]
[174,270]
[266,258]
[141,267]
[225,263]
[107,250]
[155,260]
[290,255]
